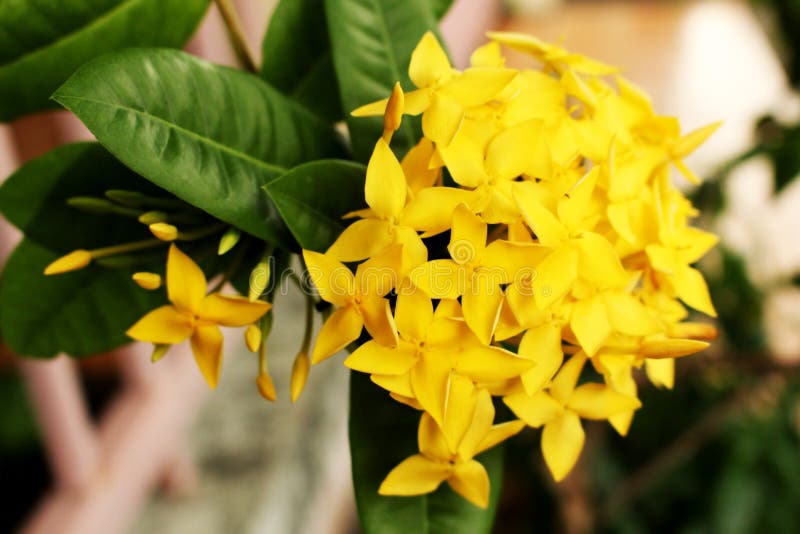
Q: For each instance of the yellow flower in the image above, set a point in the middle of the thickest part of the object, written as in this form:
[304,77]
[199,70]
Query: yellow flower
[359,299]
[439,461]
[430,353]
[559,410]
[195,315]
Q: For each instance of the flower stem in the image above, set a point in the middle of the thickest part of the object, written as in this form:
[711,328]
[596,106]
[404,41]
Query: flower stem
[236,34]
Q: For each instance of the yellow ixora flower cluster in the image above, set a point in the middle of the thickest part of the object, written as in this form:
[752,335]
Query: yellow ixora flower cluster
[568,245]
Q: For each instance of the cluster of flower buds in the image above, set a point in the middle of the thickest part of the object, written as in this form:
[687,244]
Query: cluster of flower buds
[568,268]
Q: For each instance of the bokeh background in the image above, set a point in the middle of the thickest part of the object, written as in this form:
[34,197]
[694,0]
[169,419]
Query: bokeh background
[719,453]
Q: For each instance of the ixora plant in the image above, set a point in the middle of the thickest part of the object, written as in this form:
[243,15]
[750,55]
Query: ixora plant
[512,259]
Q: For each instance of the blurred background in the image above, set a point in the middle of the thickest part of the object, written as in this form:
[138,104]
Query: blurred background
[719,453]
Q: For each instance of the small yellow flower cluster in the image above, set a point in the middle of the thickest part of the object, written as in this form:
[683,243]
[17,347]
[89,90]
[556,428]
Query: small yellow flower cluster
[568,243]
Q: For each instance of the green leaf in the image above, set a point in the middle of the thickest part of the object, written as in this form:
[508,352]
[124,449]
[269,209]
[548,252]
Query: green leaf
[297,59]
[42,42]
[312,198]
[80,313]
[382,434]
[211,135]
[372,41]
[34,198]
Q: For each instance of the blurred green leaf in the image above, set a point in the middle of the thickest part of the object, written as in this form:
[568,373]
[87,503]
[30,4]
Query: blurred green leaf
[80,313]
[42,42]
[297,59]
[211,135]
[441,7]
[372,41]
[382,434]
[312,198]
[34,198]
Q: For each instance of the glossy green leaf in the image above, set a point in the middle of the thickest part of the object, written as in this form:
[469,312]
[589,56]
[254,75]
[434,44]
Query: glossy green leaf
[42,42]
[372,41]
[211,135]
[382,434]
[312,198]
[297,59]
[34,198]
[80,313]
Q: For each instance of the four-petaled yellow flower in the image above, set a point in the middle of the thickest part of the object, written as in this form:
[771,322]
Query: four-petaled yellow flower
[195,315]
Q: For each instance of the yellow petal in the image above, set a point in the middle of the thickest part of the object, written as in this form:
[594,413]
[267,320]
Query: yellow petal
[360,240]
[415,253]
[207,349]
[164,325]
[385,187]
[149,281]
[598,401]
[300,369]
[512,152]
[556,275]
[342,328]
[548,229]
[479,419]
[490,364]
[442,119]
[692,289]
[377,315]
[563,384]
[431,440]
[628,315]
[689,142]
[542,344]
[231,310]
[334,282]
[77,259]
[576,86]
[573,209]
[499,433]
[467,236]
[431,210]
[589,322]
[481,305]
[562,441]
[661,373]
[186,283]
[429,62]
[374,358]
[430,380]
[487,55]
[441,279]
[372,109]
[459,410]
[395,384]
[413,315]
[598,262]
[478,85]
[535,410]
[471,481]
[416,475]
[416,167]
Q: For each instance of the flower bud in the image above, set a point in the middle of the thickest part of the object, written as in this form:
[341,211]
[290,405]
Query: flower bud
[159,351]
[266,387]
[164,231]
[302,363]
[98,206]
[147,281]
[259,279]
[253,338]
[132,199]
[152,217]
[228,240]
[75,260]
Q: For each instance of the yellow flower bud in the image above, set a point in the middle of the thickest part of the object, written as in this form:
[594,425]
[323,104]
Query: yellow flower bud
[147,281]
[672,348]
[302,363]
[253,337]
[228,240]
[159,351]
[393,116]
[75,260]
[259,279]
[693,331]
[164,231]
[266,387]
